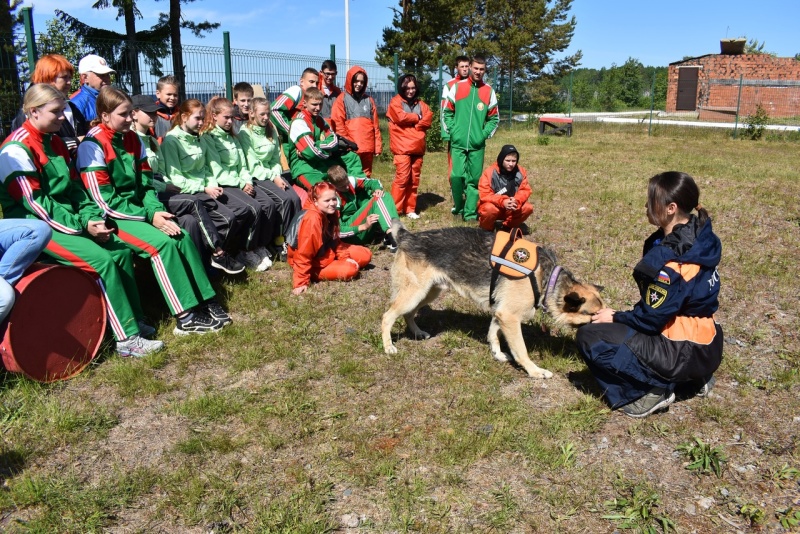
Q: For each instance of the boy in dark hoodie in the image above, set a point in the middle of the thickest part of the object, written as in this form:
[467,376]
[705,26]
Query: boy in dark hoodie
[355,116]
[503,192]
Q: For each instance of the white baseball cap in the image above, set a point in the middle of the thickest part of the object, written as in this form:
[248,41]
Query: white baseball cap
[93,63]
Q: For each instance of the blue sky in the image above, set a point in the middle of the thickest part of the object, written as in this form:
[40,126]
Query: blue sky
[608,32]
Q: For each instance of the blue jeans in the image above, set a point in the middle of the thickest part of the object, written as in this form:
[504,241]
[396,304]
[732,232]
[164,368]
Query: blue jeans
[21,242]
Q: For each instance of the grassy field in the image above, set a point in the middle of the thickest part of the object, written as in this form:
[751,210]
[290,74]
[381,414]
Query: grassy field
[294,420]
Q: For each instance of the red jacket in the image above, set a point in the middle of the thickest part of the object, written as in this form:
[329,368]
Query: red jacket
[408,124]
[491,186]
[357,119]
[318,245]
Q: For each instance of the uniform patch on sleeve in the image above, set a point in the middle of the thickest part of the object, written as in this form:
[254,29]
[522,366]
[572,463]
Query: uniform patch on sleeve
[656,295]
[663,278]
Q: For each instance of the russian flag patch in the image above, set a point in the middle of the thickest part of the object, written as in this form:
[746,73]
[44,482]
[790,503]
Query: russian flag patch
[663,278]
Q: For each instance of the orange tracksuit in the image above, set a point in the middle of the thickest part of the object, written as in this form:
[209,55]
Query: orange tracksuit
[493,190]
[356,118]
[320,254]
[408,123]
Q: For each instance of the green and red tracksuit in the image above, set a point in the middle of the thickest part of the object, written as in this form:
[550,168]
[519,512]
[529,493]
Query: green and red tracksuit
[357,203]
[314,150]
[116,173]
[471,117]
[39,183]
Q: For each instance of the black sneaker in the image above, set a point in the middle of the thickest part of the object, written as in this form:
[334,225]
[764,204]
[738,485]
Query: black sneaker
[217,312]
[196,322]
[654,400]
[226,262]
[390,243]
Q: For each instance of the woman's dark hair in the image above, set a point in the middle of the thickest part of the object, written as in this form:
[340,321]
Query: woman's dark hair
[678,187]
[403,83]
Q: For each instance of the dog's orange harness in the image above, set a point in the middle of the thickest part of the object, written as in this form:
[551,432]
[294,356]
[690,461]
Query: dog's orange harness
[513,256]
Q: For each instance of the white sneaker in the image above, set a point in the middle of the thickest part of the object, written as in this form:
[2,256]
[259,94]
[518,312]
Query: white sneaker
[250,259]
[266,259]
[266,263]
[138,347]
[412,215]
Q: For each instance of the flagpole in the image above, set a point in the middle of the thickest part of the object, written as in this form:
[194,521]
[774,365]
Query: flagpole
[347,34]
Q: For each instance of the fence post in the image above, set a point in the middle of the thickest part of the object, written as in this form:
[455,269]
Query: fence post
[652,104]
[396,75]
[510,97]
[333,53]
[738,105]
[27,20]
[569,108]
[226,45]
[441,68]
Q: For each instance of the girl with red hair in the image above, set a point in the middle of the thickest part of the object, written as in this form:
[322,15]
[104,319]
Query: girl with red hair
[56,70]
[317,253]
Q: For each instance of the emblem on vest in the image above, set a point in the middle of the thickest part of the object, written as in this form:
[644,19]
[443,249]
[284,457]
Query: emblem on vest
[520,255]
[480,106]
[656,295]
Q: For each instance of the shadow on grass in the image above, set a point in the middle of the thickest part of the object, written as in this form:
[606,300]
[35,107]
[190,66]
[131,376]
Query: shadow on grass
[428,200]
[476,326]
[12,463]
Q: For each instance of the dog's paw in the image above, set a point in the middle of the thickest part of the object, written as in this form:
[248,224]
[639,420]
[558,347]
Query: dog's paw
[540,373]
[390,349]
[501,356]
[422,335]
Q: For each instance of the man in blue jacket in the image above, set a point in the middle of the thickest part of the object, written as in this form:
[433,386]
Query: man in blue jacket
[95,73]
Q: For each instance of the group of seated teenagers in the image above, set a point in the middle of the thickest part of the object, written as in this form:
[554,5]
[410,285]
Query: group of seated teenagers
[188,186]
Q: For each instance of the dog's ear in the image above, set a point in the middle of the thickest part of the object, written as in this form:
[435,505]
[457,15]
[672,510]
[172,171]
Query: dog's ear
[598,288]
[573,301]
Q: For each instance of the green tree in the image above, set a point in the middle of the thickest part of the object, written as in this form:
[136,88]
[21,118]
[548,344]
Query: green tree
[753,46]
[175,21]
[422,32]
[122,50]
[630,82]
[519,37]
[9,64]
[57,39]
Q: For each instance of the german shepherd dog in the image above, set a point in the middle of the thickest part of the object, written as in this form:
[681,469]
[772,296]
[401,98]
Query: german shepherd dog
[429,262]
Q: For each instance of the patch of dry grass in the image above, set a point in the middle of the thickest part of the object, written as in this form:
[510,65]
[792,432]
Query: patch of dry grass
[293,419]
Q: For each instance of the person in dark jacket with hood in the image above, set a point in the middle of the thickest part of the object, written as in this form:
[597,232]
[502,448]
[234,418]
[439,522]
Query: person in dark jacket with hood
[355,116]
[670,337]
[504,192]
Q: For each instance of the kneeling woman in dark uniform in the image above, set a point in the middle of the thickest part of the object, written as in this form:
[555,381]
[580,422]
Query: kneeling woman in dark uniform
[638,357]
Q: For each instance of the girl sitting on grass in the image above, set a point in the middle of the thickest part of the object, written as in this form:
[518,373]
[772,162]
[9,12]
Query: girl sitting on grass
[669,338]
[318,253]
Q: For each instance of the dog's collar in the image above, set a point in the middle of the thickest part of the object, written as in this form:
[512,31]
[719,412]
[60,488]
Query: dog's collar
[551,285]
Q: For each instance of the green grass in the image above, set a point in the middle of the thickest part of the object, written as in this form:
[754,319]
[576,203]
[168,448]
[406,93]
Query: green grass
[294,420]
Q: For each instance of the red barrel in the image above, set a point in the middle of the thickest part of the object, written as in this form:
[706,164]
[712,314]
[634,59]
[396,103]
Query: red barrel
[56,325]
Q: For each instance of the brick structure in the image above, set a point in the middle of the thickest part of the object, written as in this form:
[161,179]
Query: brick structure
[772,82]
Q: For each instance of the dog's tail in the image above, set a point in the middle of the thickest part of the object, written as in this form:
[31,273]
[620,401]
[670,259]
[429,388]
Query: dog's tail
[398,231]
